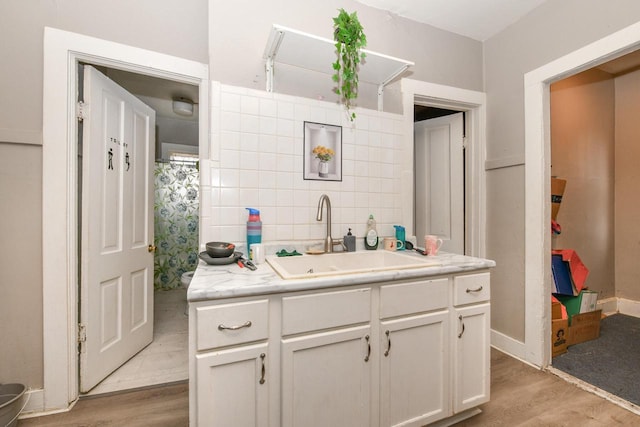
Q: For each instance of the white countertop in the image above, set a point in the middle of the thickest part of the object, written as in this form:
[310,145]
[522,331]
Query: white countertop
[217,282]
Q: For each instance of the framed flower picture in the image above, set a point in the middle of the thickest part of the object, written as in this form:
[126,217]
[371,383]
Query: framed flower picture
[322,152]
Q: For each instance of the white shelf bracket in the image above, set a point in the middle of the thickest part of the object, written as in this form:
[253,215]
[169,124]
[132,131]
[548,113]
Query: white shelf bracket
[380,97]
[313,53]
[269,74]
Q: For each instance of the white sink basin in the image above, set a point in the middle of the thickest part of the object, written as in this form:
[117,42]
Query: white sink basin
[309,266]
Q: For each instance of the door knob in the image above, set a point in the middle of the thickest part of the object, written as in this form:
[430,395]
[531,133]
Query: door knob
[151,248]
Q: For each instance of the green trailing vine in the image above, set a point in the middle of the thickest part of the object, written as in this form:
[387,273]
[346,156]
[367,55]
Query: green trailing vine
[350,39]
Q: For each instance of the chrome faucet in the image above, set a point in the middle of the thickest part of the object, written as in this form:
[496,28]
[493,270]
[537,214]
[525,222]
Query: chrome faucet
[329,242]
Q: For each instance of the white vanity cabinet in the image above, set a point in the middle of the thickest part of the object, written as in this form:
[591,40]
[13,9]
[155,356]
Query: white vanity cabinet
[471,344]
[326,359]
[414,338]
[397,353]
[230,364]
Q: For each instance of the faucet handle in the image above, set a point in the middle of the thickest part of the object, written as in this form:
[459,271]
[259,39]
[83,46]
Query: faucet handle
[341,243]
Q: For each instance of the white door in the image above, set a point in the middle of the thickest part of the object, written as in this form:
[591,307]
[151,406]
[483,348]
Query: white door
[439,181]
[471,356]
[326,379]
[414,370]
[116,291]
[233,387]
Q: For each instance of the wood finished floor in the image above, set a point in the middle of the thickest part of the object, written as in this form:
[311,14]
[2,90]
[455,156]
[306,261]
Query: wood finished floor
[520,396]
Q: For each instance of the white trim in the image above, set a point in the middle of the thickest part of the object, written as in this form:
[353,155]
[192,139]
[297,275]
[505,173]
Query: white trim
[537,178]
[629,307]
[507,344]
[474,103]
[608,306]
[62,51]
[505,162]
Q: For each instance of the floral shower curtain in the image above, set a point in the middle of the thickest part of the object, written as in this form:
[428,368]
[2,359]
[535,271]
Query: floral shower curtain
[175,222]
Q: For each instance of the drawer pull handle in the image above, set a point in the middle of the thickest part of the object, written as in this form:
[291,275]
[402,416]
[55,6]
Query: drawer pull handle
[246,324]
[262,380]
[366,358]
[474,290]
[462,324]
[386,352]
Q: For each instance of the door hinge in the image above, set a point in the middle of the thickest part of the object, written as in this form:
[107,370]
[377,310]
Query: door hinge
[82,333]
[82,111]
[464,143]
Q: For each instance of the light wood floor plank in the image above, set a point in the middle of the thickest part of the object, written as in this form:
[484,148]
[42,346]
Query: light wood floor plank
[521,396]
[166,406]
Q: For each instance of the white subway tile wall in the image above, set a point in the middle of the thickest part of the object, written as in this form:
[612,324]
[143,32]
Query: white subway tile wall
[256,160]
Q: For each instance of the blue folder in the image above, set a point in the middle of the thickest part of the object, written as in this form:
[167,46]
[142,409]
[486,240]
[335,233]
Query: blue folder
[562,276]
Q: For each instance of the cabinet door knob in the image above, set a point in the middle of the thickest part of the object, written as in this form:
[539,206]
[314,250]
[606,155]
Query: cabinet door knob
[388,334]
[366,358]
[461,324]
[474,290]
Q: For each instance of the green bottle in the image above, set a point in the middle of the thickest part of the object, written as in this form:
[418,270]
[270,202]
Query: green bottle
[371,236]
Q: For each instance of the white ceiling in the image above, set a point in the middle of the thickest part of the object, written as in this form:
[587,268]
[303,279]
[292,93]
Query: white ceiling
[477,19]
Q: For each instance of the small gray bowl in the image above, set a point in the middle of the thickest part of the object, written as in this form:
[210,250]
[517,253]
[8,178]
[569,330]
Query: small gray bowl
[220,249]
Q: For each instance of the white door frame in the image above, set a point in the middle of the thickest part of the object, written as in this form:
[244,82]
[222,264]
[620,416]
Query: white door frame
[537,180]
[62,51]
[474,104]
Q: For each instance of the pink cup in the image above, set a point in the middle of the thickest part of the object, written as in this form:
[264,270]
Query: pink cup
[432,244]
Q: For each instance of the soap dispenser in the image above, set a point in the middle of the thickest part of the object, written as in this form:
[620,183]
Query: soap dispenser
[371,236]
[350,242]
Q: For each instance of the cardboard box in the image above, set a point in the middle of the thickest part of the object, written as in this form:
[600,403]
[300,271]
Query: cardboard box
[557,191]
[559,336]
[584,327]
[559,330]
[585,302]
[556,310]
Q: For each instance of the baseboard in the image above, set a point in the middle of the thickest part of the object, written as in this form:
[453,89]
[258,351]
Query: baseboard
[35,405]
[508,345]
[629,307]
[608,306]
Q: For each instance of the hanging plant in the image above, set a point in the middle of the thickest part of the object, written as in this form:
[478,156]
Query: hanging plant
[350,39]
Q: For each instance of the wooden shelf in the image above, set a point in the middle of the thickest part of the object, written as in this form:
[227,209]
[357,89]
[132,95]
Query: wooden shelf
[299,49]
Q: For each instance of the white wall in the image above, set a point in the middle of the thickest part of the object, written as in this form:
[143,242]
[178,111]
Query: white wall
[259,142]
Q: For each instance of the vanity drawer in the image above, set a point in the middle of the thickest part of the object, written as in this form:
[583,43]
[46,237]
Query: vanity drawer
[414,297]
[230,324]
[325,310]
[471,288]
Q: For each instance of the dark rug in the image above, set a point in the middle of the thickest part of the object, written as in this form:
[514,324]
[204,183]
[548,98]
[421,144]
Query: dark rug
[611,362]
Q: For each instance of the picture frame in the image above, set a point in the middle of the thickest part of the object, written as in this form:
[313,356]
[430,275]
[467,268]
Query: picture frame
[322,152]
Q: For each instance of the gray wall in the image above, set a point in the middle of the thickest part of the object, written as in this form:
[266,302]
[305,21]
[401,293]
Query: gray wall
[174,27]
[554,29]
[239,31]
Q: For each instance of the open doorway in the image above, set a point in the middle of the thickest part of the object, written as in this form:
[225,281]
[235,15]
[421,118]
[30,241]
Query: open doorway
[593,148]
[537,178]
[439,176]
[174,193]
[62,52]
[473,104]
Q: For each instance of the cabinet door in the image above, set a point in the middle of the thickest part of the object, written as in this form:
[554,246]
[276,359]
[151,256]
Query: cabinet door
[472,357]
[414,370]
[326,379]
[232,387]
